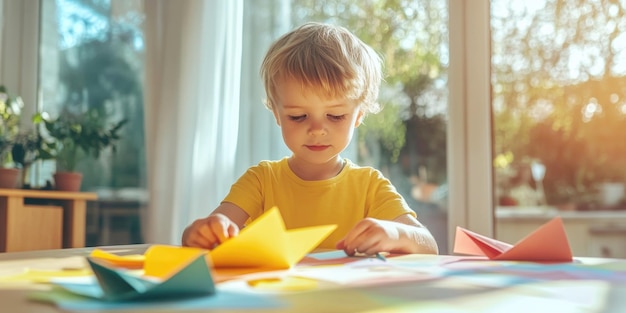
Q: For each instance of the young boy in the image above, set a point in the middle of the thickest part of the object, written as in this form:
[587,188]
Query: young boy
[320,81]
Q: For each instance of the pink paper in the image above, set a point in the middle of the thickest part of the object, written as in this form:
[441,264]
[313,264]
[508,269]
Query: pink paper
[546,244]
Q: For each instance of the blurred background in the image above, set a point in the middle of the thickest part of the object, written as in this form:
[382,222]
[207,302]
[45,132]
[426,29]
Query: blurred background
[557,105]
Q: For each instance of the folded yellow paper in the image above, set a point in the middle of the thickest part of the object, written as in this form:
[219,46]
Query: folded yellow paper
[164,261]
[265,243]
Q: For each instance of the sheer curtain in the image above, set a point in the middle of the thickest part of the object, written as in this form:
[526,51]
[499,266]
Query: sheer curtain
[193,77]
[259,135]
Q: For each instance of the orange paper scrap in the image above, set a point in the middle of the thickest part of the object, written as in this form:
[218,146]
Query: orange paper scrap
[265,243]
[548,243]
[134,261]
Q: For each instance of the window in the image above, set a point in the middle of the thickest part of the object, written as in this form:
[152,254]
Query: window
[91,60]
[559,108]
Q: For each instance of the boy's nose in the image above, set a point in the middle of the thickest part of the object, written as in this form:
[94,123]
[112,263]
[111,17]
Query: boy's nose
[317,129]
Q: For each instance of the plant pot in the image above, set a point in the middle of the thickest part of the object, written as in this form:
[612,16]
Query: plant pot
[611,193]
[9,177]
[67,181]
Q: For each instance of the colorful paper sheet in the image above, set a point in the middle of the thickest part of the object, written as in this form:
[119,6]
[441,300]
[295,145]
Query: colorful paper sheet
[168,272]
[265,243]
[546,244]
[220,300]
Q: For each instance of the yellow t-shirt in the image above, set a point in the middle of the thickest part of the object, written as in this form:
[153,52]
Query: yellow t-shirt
[355,193]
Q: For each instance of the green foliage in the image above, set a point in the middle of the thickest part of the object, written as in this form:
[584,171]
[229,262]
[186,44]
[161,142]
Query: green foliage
[10,110]
[25,148]
[70,135]
[104,76]
[551,107]
[386,129]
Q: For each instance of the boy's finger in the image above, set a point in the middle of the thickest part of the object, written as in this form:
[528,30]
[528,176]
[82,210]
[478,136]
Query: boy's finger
[341,244]
[352,239]
[224,232]
[233,230]
[206,232]
[370,246]
[198,242]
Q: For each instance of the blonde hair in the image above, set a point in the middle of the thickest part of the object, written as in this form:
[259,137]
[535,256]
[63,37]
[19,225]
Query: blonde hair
[328,59]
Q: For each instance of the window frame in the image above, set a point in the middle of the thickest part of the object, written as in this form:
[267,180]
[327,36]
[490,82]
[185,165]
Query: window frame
[470,171]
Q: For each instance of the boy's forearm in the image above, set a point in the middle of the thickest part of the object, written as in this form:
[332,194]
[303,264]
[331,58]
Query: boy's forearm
[425,241]
[415,237]
[418,240]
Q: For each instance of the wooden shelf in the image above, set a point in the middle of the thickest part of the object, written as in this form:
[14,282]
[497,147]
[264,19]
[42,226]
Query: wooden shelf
[42,219]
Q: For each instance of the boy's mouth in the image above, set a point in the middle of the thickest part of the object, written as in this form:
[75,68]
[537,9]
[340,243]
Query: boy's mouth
[317,147]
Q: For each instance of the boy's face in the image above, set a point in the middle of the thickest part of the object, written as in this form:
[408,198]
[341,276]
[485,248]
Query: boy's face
[314,128]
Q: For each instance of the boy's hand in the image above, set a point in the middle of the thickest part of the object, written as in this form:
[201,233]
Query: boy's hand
[402,235]
[209,232]
[370,236]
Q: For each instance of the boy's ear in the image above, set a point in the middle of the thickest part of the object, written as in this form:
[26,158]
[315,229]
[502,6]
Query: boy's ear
[359,118]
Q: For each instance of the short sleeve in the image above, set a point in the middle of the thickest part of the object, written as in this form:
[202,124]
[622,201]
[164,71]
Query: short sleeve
[247,192]
[385,201]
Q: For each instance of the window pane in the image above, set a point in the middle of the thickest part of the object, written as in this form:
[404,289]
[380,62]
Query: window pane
[92,61]
[559,106]
[407,140]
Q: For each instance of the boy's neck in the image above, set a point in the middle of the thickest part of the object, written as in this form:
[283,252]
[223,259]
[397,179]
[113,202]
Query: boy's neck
[310,171]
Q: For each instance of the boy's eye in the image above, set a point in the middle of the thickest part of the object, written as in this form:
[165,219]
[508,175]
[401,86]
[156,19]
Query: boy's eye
[336,117]
[297,118]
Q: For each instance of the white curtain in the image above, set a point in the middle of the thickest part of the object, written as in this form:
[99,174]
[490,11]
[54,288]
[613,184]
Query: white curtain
[259,136]
[192,87]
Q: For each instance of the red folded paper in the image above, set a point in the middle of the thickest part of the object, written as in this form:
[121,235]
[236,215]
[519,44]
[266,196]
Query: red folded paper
[546,244]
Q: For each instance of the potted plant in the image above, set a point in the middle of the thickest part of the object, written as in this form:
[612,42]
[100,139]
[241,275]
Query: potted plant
[24,152]
[8,175]
[10,108]
[69,137]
